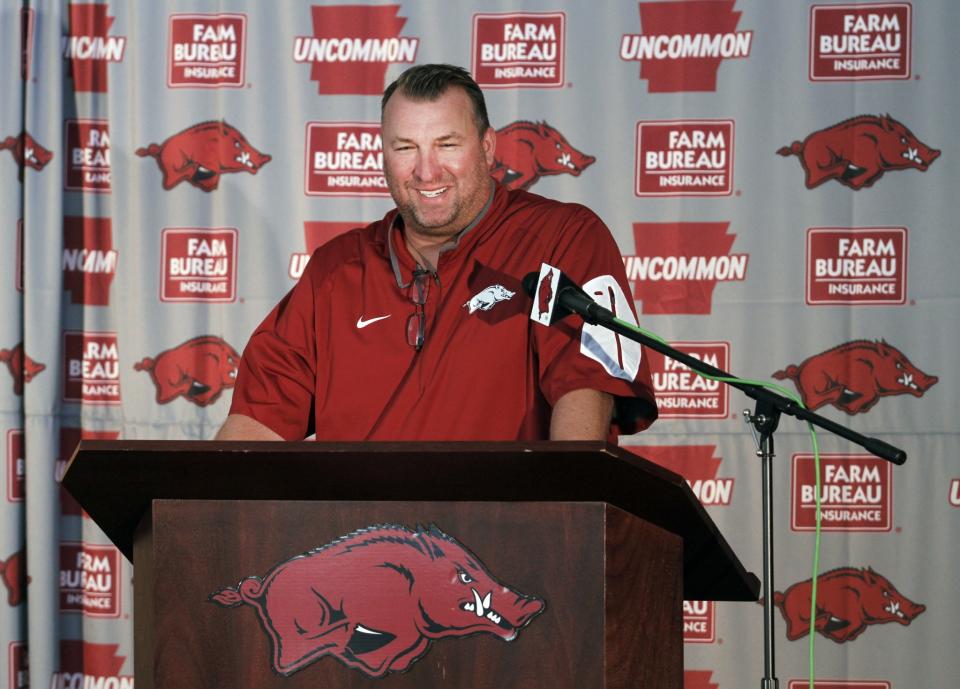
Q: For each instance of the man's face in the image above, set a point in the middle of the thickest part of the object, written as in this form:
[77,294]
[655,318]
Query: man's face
[436,163]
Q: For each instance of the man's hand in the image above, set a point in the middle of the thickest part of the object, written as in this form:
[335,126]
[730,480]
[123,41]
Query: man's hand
[240,427]
[582,415]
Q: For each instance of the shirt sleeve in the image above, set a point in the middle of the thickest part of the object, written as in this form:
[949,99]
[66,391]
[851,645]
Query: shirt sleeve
[573,354]
[276,380]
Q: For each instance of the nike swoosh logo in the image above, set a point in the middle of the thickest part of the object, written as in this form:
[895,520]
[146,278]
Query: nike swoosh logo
[364,323]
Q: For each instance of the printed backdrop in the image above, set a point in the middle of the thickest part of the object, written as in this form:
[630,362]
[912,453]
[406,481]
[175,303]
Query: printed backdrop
[780,177]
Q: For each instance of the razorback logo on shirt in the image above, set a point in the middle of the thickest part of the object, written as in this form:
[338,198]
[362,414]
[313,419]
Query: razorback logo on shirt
[856,493]
[90,579]
[696,463]
[684,158]
[853,42]
[316,234]
[699,622]
[683,43]
[519,49]
[16,466]
[677,265]
[88,49]
[352,46]
[487,298]
[856,265]
[198,264]
[91,367]
[206,50]
[90,665]
[69,439]
[344,159]
[89,259]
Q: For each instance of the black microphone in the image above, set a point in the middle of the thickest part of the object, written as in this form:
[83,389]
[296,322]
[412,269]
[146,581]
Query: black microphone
[570,298]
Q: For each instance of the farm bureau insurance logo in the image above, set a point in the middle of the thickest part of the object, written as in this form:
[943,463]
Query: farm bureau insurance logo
[684,158]
[91,370]
[699,622]
[678,264]
[853,42]
[856,265]
[16,466]
[520,49]
[206,51]
[683,43]
[88,49]
[681,393]
[352,46]
[87,143]
[316,233]
[91,666]
[198,264]
[856,493]
[89,259]
[344,159]
[90,579]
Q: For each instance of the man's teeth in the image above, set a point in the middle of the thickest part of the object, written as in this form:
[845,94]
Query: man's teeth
[432,194]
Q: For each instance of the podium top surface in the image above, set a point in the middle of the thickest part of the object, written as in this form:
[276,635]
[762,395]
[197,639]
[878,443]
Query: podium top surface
[115,482]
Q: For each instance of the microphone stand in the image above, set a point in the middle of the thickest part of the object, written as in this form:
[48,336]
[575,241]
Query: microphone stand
[765,419]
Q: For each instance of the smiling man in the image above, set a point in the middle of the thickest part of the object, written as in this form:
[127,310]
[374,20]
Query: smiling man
[416,327]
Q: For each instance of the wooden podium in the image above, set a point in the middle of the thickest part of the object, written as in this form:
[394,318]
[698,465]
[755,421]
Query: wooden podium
[427,565]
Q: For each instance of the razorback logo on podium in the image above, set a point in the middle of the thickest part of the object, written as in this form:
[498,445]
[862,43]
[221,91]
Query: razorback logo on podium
[316,233]
[13,574]
[857,152]
[87,147]
[16,466]
[856,265]
[684,158]
[519,49]
[678,264]
[698,464]
[854,376]
[699,679]
[699,622]
[91,370]
[849,599]
[90,579]
[199,370]
[683,43]
[88,665]
[856,493]
[89,259]
[201,153]
[198,264]
[26,152]
[69,439]
[329,601]
[207,51]
[527,151]
[854,42]
[352,46]
[88,49]
[21,367]
[344,159]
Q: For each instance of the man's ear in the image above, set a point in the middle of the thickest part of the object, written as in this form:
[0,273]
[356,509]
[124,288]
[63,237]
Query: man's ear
[489,143]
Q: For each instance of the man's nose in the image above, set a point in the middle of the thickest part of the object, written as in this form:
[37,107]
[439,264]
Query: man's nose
[427,167]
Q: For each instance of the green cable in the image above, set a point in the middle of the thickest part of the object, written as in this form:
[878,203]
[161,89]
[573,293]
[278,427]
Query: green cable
[816,472]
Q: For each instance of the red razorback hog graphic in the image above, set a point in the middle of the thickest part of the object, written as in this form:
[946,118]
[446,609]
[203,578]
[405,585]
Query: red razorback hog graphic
[855,375]
[849,599]
[856,152]
[22,368]
[526,151]
[26,151]
[198,370]
[13,573]
[201,153]
[377,598]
